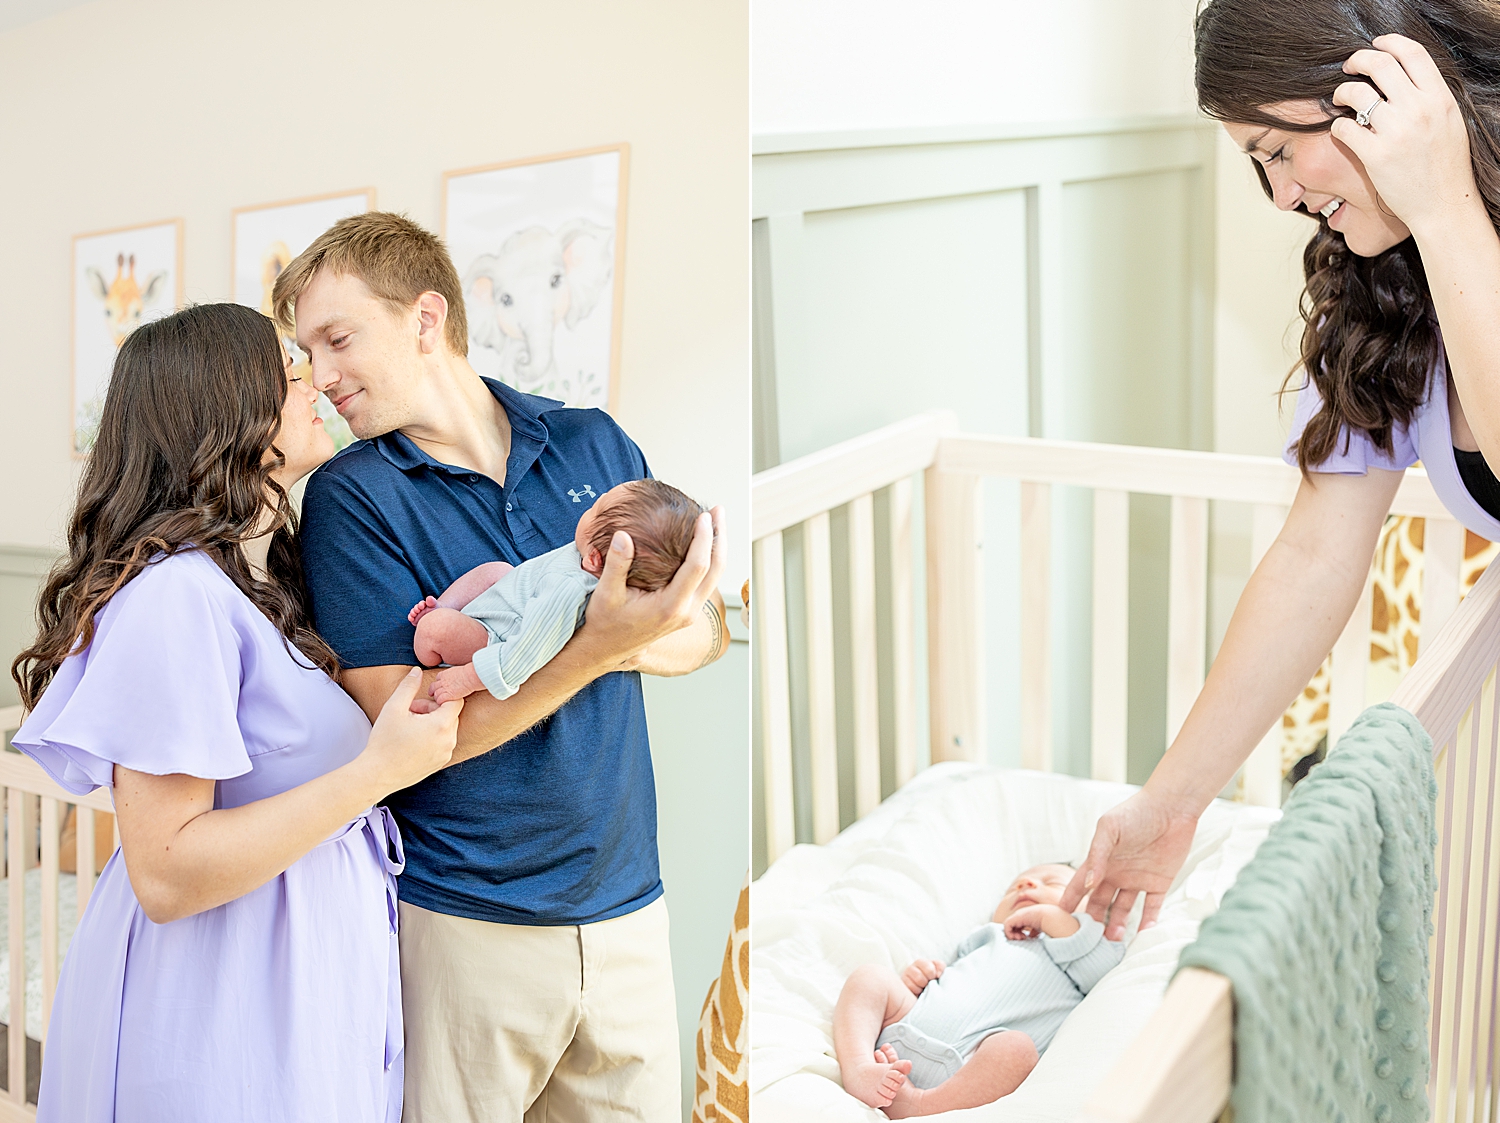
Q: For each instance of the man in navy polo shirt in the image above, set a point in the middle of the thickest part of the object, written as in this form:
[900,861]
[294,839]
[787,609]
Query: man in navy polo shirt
[535,967]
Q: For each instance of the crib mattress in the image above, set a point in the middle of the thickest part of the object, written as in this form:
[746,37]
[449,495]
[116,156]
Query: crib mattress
[914,878]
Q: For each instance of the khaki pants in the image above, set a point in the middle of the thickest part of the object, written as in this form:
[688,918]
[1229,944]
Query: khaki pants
[506,1022]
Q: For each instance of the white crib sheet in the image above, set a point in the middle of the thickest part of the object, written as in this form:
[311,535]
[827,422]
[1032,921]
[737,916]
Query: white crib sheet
[918,875]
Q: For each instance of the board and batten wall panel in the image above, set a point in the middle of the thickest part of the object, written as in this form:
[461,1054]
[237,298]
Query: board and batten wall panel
[22,569]
[1051,280]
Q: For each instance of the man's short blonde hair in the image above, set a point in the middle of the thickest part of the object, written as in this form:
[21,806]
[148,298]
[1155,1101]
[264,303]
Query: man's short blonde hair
[390,253]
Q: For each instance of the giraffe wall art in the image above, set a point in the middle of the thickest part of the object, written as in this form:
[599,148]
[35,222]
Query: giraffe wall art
[121,278]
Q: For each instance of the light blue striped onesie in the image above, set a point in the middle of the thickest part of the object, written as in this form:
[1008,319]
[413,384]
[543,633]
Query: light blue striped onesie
[530,613]
[995,984]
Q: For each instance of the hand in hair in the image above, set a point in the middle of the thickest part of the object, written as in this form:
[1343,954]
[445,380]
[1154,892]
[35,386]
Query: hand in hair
[1416,148]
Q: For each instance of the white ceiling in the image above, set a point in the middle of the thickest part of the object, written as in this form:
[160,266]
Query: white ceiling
[17,13]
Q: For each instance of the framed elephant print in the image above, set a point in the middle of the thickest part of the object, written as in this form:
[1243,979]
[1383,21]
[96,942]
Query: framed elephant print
[266,238]
[539,246]
[121,278]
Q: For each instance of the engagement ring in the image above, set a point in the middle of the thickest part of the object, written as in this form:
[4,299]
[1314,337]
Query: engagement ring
[1362,118]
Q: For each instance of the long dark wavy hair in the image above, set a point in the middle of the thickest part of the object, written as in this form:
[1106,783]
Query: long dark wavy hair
[1370,340]
[193,405]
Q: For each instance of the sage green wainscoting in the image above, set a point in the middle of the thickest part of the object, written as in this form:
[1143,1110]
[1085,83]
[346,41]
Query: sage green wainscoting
[700,742]
[22,569]
[1052,280]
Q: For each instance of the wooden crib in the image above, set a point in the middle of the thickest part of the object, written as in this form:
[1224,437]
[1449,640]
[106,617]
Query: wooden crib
[1179,1069]
[34,810]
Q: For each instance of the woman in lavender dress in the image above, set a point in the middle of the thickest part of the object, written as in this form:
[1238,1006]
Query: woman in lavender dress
[237,960]
[1380,123]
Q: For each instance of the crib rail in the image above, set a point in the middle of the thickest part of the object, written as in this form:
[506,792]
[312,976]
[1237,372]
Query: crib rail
[1451,689]
[34,809]
[884,466]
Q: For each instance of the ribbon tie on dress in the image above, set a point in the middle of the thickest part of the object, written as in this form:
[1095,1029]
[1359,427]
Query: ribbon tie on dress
[380,825]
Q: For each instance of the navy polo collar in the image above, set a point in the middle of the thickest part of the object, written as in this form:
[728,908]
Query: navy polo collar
[525,414]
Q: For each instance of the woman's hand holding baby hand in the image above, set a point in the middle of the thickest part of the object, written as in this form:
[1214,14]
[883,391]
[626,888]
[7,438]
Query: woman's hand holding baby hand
[406,746]
[920,973]
[1036,920]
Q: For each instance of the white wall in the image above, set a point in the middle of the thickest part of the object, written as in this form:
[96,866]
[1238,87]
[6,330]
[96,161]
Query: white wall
[125,111]
[855,64]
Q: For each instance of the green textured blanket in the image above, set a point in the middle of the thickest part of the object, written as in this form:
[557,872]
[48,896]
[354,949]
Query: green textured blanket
[1325,934]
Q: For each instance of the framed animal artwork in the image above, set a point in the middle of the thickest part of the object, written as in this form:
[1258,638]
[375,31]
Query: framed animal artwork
[266,238]
[121,278]
[540,248]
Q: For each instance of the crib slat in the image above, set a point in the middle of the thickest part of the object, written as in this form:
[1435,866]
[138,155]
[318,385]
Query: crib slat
[1484,1022]
[903,628]
[1469,918]
[768,604]
[1263,768]
[864,655]
[1187,609]
[49,907]
[84,833]
[15,849]
[1351,665]
[1445,917]
[1111,654]
[822,730]
[1442,558]
[1036,626]
[955,610]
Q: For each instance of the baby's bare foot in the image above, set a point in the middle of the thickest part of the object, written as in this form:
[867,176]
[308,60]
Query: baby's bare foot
[455,683]
[421,609]
[877,1081]
[907,1102]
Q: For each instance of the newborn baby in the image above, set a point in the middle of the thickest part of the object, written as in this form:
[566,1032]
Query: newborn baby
[498,623]
[938,1039]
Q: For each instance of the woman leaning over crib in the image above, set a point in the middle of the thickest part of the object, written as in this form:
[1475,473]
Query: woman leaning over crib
[237,959]
[1380,121]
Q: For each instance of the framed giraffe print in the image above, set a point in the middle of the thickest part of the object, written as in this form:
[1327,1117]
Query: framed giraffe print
[266,238]
[539,245]
[121,278]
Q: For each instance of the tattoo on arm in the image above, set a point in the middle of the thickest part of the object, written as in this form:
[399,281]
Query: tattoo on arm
[716,626]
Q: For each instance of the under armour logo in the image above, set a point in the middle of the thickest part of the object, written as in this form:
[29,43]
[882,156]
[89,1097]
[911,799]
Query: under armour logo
[578,495]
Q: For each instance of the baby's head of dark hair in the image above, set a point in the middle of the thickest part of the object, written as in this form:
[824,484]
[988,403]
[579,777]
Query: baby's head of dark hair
[660,521]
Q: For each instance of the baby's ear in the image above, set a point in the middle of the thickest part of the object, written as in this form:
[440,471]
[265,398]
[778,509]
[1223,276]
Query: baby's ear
[593,562]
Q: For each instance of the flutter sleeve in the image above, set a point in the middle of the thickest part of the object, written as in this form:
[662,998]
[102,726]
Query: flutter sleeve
[1085,956]
[1354,454]
[157,690]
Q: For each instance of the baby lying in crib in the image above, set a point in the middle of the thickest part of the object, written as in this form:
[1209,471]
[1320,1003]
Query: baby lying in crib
[940,1038]
[497,624]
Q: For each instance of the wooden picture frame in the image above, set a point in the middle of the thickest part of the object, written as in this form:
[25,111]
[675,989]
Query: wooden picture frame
[500,222]
[155,249]
[265,237]
[300,216]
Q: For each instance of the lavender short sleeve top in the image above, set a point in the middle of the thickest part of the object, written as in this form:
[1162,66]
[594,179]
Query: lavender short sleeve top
[1428,438]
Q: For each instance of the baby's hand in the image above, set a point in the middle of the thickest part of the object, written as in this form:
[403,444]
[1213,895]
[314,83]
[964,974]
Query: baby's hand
[455,683]
[421,609]
[1035,920]
[920,973]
